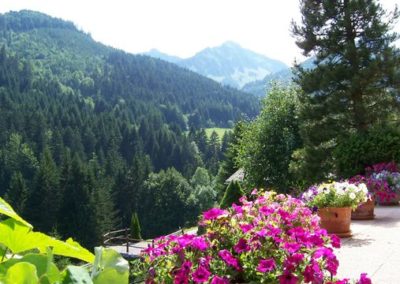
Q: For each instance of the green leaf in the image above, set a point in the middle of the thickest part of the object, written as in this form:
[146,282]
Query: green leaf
[19,238]
[43,268]
[7,210]
[78,275]
[21,273]
[109,267]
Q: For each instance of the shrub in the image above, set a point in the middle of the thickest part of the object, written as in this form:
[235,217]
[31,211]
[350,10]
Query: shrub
[354,153]
[272,239]
[232,194]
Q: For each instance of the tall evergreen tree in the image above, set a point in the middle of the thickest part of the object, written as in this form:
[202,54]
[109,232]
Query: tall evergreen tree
[135,227]
[232,194]
[45,196]
[17,193]
[354,83]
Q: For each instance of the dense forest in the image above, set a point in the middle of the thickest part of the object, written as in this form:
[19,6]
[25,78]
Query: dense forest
[90,135]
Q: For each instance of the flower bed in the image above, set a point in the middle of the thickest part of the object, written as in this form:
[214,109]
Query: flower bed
[383,180]
[269,239]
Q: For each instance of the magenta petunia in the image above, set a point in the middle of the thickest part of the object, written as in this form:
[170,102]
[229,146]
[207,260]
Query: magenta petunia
[364,279]
[201,275]
[214,213]
[229,259]
[219,280]
[288,278]
[266,265]
[199,243]
[241,246]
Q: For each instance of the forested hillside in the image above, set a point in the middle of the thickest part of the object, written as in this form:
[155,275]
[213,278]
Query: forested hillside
[86,129]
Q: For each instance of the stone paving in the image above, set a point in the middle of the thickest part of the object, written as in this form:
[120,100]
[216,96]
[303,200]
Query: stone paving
[374,248]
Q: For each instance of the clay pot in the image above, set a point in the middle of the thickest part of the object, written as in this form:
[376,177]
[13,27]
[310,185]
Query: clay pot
[336,220]
[365,211]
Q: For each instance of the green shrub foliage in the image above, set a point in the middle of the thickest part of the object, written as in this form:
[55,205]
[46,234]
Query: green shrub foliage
[232,194]
[359,150]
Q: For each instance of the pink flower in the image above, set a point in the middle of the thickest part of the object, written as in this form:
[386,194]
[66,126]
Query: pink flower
[219,280]
[241,246]
[199,243]
[313,273]
[335,241]
[364,279]
[288,278]
[214,213]
[229,259]
[266,265]
[201,275]
[246,227]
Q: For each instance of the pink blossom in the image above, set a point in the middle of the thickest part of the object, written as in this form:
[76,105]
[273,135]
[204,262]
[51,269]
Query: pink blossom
[201,275]
[214,213]
[364,279]
[229,259]
[288,278]
[241,246]
[219,280]
[266,265]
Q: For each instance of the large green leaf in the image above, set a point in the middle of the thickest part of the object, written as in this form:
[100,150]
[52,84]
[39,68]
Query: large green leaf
[108,266]
[7,210]
[78,275]
[19,238]
[21,273]
[44,269]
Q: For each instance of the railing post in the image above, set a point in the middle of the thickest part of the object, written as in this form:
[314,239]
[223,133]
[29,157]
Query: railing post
[127,239]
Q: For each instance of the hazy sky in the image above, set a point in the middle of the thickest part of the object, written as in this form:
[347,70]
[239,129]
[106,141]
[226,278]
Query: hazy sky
[181,27]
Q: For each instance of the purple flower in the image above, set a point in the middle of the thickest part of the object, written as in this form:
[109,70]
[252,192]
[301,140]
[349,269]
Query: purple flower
[246,227]
[266,265]
[364,279]
[229,259]
[199,243]
[241,246]
[214,213]
[288,278]
[219,280]
[201,275]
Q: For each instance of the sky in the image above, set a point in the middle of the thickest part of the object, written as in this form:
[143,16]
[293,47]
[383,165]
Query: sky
[182,27]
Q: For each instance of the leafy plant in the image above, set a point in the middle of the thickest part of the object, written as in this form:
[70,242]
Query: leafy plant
[26,257]
[268,239]
[336,194]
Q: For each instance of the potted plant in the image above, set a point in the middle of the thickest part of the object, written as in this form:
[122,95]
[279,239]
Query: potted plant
[365,210]
[334,202]
[383,180]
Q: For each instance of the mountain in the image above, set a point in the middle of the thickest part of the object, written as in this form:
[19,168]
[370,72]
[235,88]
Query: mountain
[163,56]
[228,64]
[283,77]
[83,126]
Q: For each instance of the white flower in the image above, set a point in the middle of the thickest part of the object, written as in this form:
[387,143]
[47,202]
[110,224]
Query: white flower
[352,195]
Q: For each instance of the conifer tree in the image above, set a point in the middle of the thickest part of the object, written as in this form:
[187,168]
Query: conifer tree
[135,227]
[232,194]
[354,83]
[17,193]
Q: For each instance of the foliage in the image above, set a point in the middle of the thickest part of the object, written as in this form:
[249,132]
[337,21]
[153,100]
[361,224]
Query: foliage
[267,144]
[27,257]
[135,227]
[382,180]
[353,85]
[232,194]
[272,239]
[167,194]
[336,194]
[354,153]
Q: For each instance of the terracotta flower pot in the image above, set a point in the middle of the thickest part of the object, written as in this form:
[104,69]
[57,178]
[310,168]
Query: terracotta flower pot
[389,202]
[336,220]
[365,211]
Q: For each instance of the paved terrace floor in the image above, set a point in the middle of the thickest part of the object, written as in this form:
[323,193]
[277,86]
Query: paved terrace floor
[374,248]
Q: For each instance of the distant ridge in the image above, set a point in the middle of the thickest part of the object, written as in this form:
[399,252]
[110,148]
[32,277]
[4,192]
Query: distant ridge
[229,64]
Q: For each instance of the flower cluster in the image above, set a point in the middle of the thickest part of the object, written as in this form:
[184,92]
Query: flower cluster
[267,239]
[336,194]
[382,179]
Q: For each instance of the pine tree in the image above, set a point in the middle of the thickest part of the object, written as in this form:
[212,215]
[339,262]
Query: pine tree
[45,196]
[135,227]
[232,194]
[17,193]
[353,85]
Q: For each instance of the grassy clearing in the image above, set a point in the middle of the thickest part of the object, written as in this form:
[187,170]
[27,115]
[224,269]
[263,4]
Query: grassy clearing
[220,131]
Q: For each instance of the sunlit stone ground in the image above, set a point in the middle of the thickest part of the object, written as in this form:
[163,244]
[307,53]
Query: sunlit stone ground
[374,248]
